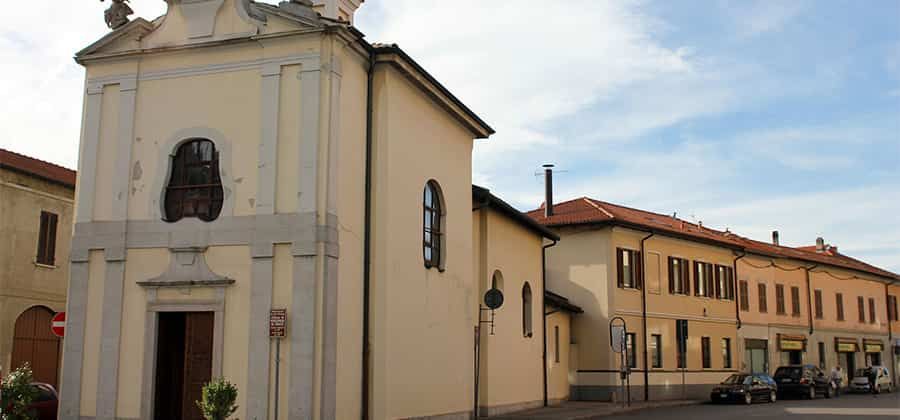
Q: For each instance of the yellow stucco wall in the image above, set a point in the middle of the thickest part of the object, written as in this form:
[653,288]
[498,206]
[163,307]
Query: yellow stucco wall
[430,311]
[559,355]
[23,283]
[510,361]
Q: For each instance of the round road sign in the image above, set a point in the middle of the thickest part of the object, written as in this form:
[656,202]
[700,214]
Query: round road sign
[58,324]
[493,298]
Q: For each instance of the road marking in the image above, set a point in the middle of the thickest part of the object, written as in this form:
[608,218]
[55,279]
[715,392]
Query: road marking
[845,411]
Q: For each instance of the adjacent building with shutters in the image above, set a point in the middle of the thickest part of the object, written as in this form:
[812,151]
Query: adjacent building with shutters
[36,205]
[813,305]
[656,272]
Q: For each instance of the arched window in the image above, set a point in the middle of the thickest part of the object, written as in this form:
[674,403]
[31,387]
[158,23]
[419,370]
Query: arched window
[195,186]
[433,233]
[497,280]
[527,330]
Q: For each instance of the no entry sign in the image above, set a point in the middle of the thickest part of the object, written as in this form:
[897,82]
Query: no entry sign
[58,324]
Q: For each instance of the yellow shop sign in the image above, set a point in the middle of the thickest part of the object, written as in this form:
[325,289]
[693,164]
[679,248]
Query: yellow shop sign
[846,347]
[791,345]
[873,348]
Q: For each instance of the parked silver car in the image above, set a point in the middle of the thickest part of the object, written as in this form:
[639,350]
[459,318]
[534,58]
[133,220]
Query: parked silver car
[860,381]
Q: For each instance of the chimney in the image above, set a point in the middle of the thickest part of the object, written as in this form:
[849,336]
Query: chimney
[820,244]
[337,9]
[548,190]
[775,238]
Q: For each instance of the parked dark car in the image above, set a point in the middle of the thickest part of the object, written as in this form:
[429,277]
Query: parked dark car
[745,388]
[46,403]
[806,381]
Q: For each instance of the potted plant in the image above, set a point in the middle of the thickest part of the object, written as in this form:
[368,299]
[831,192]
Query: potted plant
[219,397]
[17,394]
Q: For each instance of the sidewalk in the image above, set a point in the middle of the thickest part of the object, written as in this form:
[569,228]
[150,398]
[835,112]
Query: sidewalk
[587,410]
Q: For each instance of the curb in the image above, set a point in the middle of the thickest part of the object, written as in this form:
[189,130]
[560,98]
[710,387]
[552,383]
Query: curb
[633,409]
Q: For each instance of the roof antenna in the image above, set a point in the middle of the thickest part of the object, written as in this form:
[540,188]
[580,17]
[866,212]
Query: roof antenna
[675,215]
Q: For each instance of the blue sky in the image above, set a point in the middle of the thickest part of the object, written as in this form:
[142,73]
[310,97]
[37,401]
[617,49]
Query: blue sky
[751,115]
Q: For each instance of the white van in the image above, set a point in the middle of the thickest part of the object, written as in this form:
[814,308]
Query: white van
[860,382]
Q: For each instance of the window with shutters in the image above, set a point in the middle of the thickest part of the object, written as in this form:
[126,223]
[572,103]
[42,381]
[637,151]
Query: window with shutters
[839,302]
[724,282]
[795,301]
[556,343]
[821,355]
[819,314]
[630,340]
[704,349]
[871,310]
[679,276]
[745,296]
[892,308]
[195,185]
[726,353]
[629,269]
[527,330]
[656,351]
[703,279]
[46,252]
[779,300]
[763,298]
[861,305]
[433,226]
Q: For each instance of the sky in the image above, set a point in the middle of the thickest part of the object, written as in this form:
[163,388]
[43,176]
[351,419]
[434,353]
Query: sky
[748,115]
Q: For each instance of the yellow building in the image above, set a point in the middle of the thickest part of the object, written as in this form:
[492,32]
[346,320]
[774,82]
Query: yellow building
[508,253]
[658,274]
[36,203]
[812,305]
[239,157]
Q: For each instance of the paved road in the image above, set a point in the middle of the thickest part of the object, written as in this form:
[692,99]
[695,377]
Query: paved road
[862,407]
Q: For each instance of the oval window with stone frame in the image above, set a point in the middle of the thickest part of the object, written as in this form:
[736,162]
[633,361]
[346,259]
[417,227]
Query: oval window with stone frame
[195,185]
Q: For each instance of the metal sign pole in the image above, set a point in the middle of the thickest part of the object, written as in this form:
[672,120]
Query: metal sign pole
[277,373]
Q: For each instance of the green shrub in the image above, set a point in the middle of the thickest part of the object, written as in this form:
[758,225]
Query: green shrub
[219,398]
[16,394]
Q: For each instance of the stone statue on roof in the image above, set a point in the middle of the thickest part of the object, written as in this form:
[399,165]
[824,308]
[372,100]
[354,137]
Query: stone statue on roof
[117,14]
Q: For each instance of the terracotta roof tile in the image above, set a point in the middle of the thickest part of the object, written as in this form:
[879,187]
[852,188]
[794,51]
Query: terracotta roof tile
[589,211]
[38,168]
[586,210]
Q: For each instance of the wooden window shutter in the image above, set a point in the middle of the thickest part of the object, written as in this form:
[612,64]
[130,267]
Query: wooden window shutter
[839,301]
[620,280]
[671,275]
[871,310]
[697,278]
[42,239]
[685,277]
[819,311]
[638,270]
[51,239]
[862,311]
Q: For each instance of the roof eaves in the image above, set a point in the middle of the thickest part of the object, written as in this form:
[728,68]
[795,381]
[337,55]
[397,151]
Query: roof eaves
[560,302]
[478,127]
[485,197]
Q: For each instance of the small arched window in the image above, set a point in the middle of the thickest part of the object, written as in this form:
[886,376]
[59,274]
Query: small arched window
[433,233]
[527,329]
[195,186]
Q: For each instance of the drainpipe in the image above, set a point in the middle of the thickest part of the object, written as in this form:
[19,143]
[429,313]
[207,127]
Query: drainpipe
[809,298]
[890,337]
[544,318]
[367,237]
[737,298]
[644,315]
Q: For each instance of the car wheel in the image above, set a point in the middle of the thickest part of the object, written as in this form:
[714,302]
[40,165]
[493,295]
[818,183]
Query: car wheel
[773,396]
[748,399]
[812,392]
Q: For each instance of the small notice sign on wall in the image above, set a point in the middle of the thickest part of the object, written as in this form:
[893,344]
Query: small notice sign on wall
[277,320]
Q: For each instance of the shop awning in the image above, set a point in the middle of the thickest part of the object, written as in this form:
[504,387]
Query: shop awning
[873,346]
[788,342]
[846,345]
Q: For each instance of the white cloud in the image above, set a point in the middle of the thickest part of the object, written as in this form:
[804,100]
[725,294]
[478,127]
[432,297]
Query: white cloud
[40,83]
[762,16]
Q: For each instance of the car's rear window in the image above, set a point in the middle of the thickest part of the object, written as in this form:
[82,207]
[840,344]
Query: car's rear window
[789,372]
